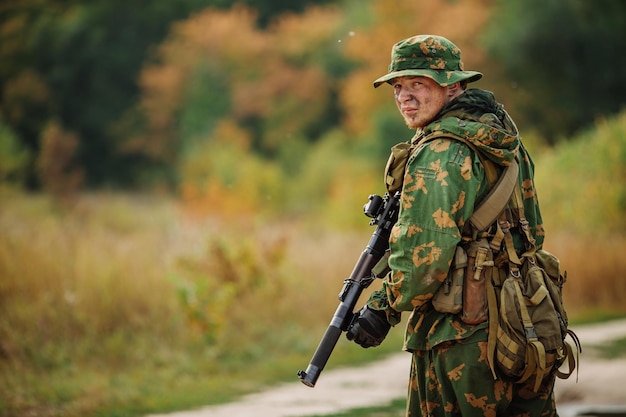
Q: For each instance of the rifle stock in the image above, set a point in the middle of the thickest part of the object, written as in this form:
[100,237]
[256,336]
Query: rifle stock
[384,214]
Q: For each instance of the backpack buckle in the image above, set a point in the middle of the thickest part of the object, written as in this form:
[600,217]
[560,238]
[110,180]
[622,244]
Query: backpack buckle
[531,334]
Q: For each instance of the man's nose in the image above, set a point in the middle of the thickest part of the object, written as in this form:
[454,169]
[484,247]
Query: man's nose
[403,94]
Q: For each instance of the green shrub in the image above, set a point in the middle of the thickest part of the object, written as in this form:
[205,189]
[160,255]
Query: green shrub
[582,182]
[14,158]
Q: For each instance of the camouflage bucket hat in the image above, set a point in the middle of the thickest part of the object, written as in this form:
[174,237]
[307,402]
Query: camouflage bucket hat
[428,56]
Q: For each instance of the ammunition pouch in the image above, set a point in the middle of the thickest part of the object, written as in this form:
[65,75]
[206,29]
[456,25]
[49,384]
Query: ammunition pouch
[394,170]
[464,291]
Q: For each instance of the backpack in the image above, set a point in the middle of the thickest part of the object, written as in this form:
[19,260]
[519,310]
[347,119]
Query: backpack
[520,295]
[528,323]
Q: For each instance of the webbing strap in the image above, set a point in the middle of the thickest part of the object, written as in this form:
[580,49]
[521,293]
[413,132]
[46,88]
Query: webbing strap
[491,206]
[510,250]
[518,203]
[571,360]
[493,324]
[496,240]
[535,351]
[536,357]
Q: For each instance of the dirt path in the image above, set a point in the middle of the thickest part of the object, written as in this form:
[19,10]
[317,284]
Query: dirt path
[601,386]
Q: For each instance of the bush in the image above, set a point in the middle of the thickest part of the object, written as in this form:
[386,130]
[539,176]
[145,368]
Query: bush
[14,159]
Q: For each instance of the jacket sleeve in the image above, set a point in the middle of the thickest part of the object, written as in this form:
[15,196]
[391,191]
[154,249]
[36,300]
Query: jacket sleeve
[442,182]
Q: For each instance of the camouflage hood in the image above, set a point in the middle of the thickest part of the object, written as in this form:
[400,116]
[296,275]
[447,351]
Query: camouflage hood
[478,118]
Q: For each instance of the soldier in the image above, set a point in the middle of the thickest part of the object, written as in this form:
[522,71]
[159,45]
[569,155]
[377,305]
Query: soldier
[443,181]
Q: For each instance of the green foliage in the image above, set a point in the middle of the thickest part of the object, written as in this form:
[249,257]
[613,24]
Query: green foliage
[389,129]
[612,349]
[206,100]
[14,158]
[270,9]
[211,287]
[586,175]
[393,409]
[219,174]
[85,60]
[563,56]
[86,57]
[597,314]
[283,71]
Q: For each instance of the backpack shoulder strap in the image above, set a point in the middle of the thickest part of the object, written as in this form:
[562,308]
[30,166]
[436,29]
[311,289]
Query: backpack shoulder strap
[492,205]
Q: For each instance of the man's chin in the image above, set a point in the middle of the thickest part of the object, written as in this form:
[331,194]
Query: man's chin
[415,123]
[412,124]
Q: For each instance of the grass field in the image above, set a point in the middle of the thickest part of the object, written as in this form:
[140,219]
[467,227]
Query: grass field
[124,305]
[394,409]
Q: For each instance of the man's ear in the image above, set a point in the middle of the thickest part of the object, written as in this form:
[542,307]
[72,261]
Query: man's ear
[454,89]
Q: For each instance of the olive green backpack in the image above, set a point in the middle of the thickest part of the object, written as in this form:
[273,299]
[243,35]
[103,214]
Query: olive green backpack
[528,324]
[520,295]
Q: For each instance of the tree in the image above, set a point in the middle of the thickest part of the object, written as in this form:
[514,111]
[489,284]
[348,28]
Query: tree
[77,63]
[219,65]
[566,58]
[268,10]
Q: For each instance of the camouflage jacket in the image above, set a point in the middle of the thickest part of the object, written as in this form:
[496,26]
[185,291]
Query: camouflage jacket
[443,181]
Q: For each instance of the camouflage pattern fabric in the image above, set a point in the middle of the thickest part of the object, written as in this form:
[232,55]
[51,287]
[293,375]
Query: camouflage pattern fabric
[449,380]
[428,56]
[444,180]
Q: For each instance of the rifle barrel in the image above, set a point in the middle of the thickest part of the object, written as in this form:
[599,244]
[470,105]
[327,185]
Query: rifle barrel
[360,278]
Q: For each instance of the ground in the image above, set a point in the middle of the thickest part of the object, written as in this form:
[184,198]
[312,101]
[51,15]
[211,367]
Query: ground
[599,387]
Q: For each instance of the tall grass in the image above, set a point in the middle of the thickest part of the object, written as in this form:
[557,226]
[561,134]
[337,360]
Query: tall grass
[120,305]
[80,287]
[596,285]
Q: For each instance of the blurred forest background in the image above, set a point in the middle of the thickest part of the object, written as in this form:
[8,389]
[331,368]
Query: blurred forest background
[181,182]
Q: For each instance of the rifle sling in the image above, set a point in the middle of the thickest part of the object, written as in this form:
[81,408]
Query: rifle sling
[492,205]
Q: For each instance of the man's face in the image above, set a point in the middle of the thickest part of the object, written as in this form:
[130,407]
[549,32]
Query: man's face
[419,99]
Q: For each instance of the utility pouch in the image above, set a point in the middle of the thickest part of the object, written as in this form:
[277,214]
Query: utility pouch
[478,271]
[449,297]
[394,171]
[529,325]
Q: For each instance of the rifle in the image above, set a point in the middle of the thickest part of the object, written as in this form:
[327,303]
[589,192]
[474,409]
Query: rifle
[384,213]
